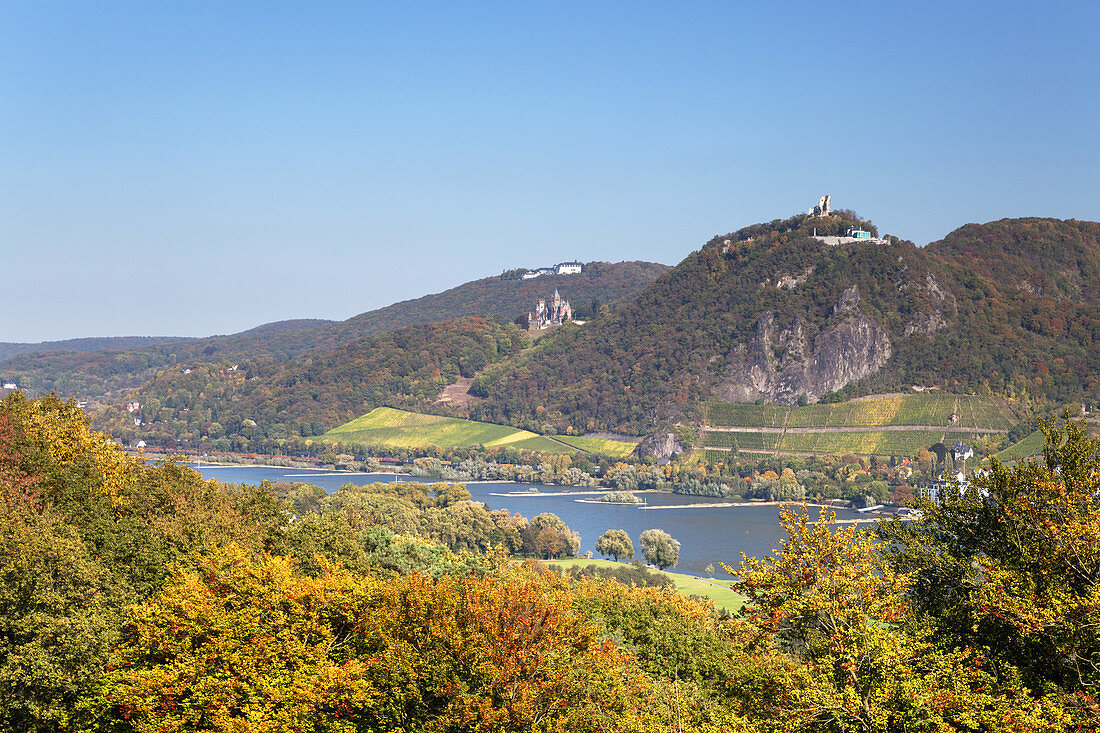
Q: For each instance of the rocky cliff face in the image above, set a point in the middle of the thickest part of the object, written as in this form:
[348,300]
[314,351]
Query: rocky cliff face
[659,445]
[784,365]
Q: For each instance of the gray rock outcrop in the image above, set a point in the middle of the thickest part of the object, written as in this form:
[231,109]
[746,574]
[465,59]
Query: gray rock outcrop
[784,365]
[659,445]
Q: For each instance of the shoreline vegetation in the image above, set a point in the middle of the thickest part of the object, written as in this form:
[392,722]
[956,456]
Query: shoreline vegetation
[886,511]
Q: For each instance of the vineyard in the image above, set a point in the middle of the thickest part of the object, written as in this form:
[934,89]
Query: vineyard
[883,443]
[740,441]
[400,428]
[601,446]
[725,414]
[917,410]
[1032,445]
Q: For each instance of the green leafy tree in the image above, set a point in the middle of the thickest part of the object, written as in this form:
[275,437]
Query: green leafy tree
[828,600]
[1012,564]
[658,548]
[615,543]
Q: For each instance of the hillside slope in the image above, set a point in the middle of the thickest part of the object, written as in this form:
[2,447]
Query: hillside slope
[9,349]
[1041,257]
[251,404]
[507,298]
[771,313]
[112,373]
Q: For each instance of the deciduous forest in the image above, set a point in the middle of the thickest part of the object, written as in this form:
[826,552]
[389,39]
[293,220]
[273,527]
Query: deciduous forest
[138,597]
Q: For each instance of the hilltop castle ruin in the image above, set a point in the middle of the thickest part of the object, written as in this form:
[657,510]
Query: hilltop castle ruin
[823,208]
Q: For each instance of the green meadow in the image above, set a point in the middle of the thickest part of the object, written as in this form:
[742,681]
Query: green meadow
[718,591]
[399,428]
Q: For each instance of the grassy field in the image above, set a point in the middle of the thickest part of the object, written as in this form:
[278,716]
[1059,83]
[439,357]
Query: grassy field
[717,591]
[543,444]
[387,426]
[603,446]
[934,410]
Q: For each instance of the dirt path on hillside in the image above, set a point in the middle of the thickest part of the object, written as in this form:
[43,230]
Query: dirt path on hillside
[563,443]
[458,393]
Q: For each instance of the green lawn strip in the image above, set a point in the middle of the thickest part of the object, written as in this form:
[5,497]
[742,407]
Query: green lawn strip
[723,596]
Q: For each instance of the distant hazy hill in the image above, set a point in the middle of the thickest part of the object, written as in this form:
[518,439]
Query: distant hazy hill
[771,313]
[99,373]
[116,343]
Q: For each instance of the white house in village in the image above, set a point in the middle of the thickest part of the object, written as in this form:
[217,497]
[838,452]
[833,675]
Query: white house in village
[963,451]
[562,268]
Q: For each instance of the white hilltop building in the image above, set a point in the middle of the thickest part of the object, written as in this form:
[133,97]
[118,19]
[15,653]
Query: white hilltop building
[824,209]
[562,268]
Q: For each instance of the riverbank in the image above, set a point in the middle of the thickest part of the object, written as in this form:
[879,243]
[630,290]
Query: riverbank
[721,505]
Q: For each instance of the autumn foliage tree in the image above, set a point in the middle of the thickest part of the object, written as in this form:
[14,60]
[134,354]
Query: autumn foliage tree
[235,643]
[829,601]
[1011,566]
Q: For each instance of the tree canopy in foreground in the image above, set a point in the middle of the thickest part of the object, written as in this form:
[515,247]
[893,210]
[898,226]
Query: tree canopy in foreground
[136,597]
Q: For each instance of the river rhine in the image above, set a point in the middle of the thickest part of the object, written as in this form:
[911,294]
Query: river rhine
[706,534]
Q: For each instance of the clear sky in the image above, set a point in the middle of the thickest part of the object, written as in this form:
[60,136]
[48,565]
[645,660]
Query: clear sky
[192,168]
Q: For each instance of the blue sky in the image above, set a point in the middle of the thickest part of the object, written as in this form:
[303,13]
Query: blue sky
[197,168]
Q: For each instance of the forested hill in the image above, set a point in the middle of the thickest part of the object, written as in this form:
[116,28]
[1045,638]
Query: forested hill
[95,374]
[770,312]
[240,406]
[601,282]
[112,373]
[116,343]
[1044,257]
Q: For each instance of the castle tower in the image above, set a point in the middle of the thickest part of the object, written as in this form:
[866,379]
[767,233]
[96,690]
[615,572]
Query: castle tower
[823,208]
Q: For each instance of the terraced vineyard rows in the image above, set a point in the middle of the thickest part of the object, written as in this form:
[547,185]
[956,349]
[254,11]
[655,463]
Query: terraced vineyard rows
[725,414]
[883,443]
[741,441]
[714,456]
[916,410]
[1032,445]
[603,446]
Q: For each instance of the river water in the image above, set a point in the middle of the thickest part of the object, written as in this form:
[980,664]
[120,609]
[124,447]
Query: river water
[706,534]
